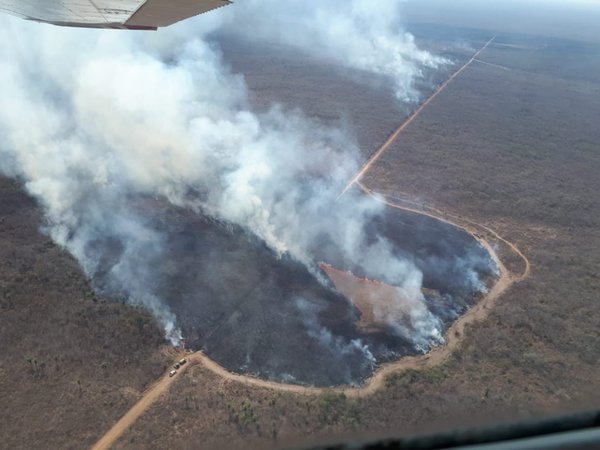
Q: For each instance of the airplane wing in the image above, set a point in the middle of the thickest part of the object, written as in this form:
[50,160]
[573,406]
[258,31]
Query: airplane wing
[127,14]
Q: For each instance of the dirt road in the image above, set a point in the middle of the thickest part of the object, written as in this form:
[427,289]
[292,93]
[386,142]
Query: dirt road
[148,398]
[465,224]
[497,66]
[375,156]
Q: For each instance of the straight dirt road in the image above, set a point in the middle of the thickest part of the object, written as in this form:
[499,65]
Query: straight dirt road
[375,156]
[148,398]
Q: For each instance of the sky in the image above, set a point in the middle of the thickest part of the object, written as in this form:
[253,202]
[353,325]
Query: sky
[574,19]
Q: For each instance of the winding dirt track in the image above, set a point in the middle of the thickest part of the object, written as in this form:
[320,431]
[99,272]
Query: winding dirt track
[435,357]
[470,226]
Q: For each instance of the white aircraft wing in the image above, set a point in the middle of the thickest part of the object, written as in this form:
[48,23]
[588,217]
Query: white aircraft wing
[128,14]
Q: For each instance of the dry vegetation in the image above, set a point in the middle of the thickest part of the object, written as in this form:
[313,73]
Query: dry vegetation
[517,150]
[70,363]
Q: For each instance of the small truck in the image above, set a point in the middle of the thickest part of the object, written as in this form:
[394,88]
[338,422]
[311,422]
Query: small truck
[172,373]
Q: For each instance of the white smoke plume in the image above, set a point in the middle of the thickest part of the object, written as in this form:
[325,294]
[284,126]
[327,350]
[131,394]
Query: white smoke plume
[359,34]
[92,119]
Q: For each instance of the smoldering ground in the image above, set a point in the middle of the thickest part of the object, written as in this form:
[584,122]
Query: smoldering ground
[156,174]
[255,311]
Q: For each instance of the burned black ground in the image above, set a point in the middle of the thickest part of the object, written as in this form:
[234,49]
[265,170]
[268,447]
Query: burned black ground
[258,312]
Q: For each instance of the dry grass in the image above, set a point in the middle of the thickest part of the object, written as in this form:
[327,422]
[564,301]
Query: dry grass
[70,363]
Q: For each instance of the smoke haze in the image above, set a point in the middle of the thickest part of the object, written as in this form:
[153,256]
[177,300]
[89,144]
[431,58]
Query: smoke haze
[95,120]
[358,34]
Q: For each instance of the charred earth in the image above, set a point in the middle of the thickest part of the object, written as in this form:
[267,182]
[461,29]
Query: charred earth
[269,315]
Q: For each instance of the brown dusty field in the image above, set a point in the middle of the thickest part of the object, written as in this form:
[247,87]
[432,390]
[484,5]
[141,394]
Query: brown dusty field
[367,295]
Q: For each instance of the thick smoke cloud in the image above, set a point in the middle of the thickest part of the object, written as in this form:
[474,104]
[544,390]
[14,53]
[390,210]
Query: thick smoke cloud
[357,34]
[92,121]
